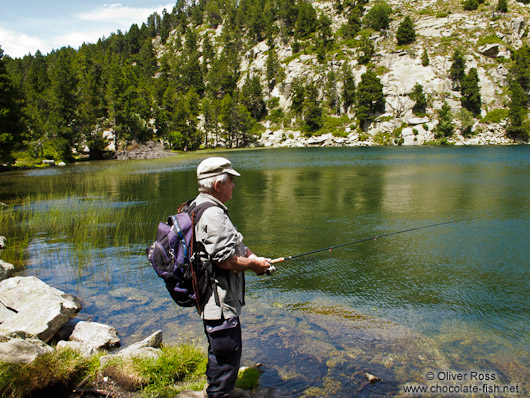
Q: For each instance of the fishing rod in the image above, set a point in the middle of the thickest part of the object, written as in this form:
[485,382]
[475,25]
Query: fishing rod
[330,248]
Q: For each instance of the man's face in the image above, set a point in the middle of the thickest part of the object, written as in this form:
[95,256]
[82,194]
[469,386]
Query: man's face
[224,189]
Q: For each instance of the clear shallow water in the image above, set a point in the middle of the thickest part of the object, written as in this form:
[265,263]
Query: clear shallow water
[448,297]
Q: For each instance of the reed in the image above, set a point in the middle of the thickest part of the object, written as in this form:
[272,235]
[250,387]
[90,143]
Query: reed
[81,230]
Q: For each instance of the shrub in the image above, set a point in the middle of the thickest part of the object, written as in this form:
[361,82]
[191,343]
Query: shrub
[466,120]
[445,126]
[495,116]
[502,6]
[425,61]
[470,5]
[406,33]
[378,17]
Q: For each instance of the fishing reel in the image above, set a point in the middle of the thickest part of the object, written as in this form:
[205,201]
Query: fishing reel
[270,270]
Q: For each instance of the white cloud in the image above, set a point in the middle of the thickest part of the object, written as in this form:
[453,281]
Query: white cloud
[17,45]
[119,14]
[76,39]
[73,30]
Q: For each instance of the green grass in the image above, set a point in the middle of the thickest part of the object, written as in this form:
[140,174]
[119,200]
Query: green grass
[55,371]
[177,368]
[83,224]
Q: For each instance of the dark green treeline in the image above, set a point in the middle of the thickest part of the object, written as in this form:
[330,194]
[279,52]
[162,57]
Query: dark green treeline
[174,79]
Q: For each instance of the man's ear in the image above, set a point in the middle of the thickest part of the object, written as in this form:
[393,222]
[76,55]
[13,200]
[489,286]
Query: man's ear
[217,185]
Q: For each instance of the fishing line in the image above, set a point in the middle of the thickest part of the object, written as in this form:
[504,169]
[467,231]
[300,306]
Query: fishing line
[330,248]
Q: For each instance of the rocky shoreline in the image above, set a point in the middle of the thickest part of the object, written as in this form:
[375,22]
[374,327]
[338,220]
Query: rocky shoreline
[36,319]
[418,131]
[33,314]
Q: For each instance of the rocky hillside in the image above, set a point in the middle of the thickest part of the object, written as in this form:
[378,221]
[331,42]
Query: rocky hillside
[486,38]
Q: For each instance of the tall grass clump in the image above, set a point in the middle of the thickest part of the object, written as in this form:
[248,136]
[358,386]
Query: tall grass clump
[79,227]
[176,369]
[52,374]
[57,373]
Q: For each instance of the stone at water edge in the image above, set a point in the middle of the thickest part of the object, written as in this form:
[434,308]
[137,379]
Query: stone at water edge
[95,334]
[35,308]
[17,350]
[6,269]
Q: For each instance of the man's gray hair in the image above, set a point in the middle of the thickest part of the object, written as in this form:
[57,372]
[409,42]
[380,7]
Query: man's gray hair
[206,184]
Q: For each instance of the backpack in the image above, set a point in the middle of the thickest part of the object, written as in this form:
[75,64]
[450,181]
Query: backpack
[172,257]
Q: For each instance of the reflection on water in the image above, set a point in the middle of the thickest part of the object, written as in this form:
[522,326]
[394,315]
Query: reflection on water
[449,297]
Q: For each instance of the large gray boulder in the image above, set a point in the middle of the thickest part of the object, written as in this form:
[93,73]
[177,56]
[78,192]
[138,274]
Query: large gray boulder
[6,270]
[17,350]
[96,335]
[147,348]
[31,307]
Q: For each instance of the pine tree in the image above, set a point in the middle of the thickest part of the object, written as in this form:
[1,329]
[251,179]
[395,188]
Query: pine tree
[348,87]
[62,123]
[11,126]
[366,50]
[470,5]
[332,97]
[471,99]
[418,96]
[445,128]
[370,98]
[252,97]
[271,67]
[502,6]
[425,61]
[353,25]
[312,110]
[519,86]
[458,68]
[378,17]
[406,33]
[325,34]
[306,22]
[298,96]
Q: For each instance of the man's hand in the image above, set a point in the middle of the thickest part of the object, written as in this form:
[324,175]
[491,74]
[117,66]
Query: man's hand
[239,263]
[260,264]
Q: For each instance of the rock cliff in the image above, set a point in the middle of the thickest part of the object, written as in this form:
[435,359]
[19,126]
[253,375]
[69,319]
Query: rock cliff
[487,39]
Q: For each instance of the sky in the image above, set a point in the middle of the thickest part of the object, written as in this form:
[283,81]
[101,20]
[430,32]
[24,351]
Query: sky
[30,25]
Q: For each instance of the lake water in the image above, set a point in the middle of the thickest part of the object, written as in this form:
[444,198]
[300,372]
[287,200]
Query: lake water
[451,299]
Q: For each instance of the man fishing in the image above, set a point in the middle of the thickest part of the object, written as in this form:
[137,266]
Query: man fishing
[220,246]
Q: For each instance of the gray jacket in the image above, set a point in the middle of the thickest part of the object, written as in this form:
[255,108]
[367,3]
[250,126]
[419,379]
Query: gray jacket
[221,241]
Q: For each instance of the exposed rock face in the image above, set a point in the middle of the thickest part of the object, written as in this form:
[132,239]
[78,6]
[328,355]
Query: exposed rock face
[151,150]
[30,307]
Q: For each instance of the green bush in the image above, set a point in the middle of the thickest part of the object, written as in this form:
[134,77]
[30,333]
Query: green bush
[470,5]
[495,116]
[378,17]
[406,33]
